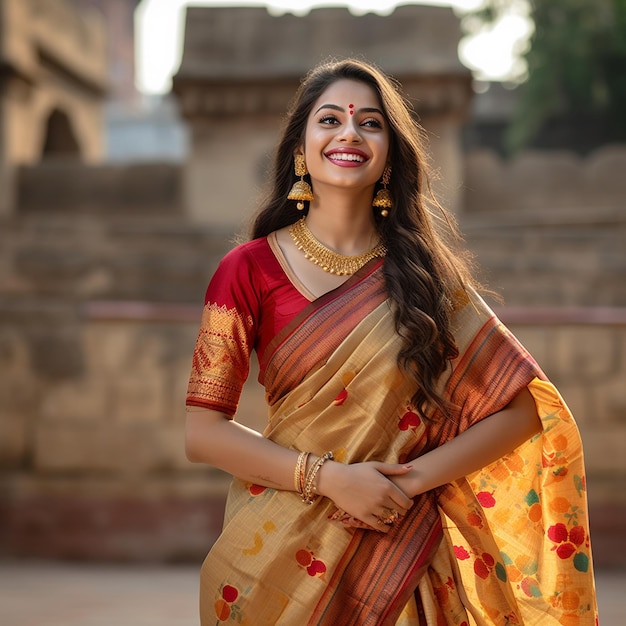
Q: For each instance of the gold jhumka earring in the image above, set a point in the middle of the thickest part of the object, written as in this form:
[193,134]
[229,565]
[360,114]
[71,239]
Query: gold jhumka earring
[382,200]
[301,190]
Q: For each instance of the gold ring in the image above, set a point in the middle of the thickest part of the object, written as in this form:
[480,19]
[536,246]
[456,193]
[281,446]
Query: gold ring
[391,518]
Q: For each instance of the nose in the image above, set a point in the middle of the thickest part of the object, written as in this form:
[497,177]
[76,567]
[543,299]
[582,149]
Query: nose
[350,133]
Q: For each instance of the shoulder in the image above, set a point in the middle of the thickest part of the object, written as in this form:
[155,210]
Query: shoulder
[239,277]
[245,252]
[245,258]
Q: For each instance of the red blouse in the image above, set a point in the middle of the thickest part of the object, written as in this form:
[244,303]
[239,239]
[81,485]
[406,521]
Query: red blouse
[248,301]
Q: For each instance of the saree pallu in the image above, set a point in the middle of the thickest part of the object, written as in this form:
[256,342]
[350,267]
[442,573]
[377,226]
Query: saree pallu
[506,545]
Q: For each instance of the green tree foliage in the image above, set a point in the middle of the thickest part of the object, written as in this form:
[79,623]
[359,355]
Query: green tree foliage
[576,66]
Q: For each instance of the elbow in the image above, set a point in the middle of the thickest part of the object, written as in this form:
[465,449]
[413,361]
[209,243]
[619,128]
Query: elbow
[192,451]
[193,439]
[202,430]
[527,416]
[536,425]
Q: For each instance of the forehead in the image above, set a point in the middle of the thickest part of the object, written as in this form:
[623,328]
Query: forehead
[345,92]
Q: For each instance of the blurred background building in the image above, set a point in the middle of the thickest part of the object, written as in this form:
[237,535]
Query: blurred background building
[115,208]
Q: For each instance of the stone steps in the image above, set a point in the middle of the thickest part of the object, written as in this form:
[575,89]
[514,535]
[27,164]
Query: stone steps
[113,262]
[544,259]
[114,233]
[118,233]
[72,187]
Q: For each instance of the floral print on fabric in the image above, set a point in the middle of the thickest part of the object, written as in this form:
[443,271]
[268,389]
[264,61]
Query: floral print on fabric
[477,551]
[307,560]
[225,606]
[533,503]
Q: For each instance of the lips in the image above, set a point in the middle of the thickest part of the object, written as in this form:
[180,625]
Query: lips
[346,157]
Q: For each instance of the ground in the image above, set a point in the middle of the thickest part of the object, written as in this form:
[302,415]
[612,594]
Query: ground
[67,594]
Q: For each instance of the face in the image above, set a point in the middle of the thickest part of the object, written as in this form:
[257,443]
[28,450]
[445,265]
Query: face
[347,137]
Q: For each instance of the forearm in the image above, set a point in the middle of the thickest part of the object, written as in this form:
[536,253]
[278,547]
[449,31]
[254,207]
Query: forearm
[212,438]
[362,489]
[480,445]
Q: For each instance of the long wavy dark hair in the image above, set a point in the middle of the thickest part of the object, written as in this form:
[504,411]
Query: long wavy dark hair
[425,269]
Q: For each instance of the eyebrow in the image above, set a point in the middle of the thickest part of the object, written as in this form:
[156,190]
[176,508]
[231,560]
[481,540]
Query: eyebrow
[334,107]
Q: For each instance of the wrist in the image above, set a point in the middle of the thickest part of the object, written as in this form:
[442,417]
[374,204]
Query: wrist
[409,483]
[326,478]
[310,490]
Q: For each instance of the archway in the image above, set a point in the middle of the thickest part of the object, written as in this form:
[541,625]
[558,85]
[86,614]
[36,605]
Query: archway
[60,139]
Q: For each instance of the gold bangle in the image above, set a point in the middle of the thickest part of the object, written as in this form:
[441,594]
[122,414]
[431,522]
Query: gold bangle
[299,471]
[302,479]
[308,493]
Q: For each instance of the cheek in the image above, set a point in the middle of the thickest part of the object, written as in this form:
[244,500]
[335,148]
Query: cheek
[314,146]
[314,137]
[384,145]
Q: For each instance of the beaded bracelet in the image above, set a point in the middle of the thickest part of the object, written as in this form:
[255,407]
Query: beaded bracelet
[308,493]
[299,471]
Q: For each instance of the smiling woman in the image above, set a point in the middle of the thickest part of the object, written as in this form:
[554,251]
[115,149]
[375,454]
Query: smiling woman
[345,145]
[403,474]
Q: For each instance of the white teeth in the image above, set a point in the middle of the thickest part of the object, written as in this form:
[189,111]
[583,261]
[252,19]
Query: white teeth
[346,156]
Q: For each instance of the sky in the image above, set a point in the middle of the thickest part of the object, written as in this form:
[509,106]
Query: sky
[491,54]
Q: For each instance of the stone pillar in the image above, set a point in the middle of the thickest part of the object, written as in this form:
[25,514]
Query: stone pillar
[241,67]
[227,167]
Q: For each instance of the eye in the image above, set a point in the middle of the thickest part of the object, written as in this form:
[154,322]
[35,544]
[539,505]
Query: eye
[329,119]
[372,123]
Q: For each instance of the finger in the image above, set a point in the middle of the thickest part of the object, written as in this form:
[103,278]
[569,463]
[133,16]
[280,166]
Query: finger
[390,516]
[393,469]
[391,508]
[389,469]
[397,499]
[338,514]
[400,502]
[379,525]
[352,522]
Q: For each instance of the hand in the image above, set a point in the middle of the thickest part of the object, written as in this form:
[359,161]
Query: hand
[347,521]
[363,491]
[408,482]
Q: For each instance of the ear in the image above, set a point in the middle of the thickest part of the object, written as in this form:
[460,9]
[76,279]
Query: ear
[299,150]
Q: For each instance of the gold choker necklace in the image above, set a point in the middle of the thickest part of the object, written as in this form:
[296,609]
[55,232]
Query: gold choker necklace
[330,261]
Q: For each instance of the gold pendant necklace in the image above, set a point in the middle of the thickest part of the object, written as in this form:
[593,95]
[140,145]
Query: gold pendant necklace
[330,261]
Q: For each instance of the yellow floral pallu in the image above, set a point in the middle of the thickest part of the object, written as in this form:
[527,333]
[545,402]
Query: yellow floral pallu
[507,545]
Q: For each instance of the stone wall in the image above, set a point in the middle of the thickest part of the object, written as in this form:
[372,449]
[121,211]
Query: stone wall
[549,228]
[546,182]
[102,273]
[91,440]
[91,429]
[93,375]
[549,234]
[101,283]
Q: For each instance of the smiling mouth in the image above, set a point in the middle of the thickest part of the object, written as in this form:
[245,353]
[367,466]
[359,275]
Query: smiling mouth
[346,156]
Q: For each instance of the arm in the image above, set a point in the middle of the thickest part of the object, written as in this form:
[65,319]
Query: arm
[213,438]
[483,443]
[360,489]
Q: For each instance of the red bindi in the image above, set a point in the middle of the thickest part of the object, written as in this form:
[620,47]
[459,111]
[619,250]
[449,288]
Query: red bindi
[351,106]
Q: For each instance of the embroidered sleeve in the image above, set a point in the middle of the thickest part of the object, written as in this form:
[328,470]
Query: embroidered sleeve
[221,358]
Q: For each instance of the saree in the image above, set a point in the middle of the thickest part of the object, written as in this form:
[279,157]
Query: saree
[506,545]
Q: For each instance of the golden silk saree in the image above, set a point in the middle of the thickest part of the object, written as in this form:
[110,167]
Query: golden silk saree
[506,545]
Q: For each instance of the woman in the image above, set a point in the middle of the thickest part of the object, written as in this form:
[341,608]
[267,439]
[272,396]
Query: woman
[390,385]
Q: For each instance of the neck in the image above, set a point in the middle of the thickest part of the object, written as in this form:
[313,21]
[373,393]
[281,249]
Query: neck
[343,222]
